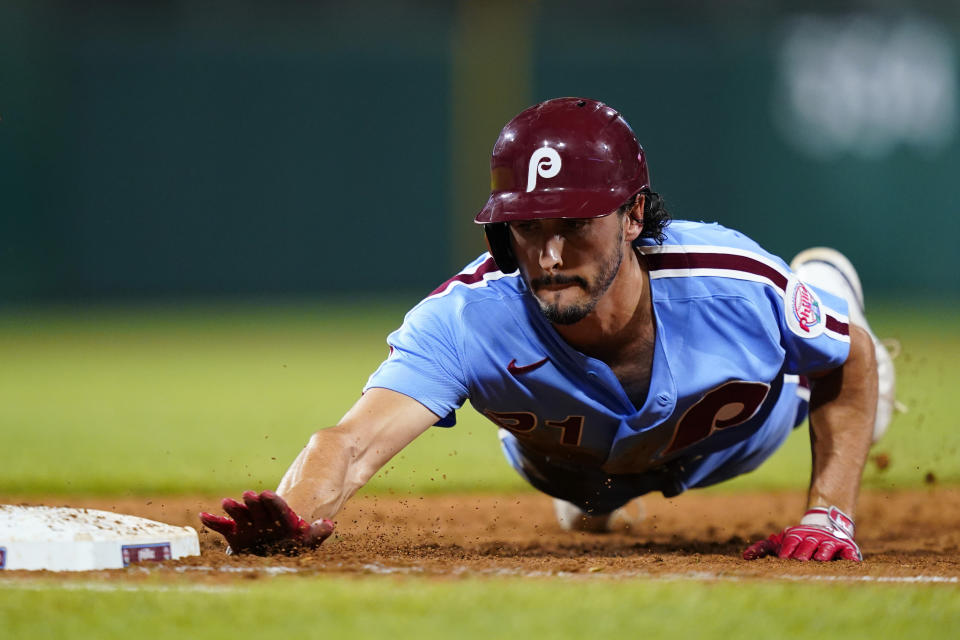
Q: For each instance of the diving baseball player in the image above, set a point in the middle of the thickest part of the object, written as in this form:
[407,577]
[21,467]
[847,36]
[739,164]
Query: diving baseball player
[617,353]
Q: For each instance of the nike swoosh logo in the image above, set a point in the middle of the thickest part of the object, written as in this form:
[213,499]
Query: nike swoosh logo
[527,368]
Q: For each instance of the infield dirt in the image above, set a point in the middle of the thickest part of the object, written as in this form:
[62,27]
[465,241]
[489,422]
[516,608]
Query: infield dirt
[903,534]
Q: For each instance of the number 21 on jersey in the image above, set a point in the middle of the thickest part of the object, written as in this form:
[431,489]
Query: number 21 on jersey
[723,407]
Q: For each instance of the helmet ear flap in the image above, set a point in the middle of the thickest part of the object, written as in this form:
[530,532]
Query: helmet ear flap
[498,241]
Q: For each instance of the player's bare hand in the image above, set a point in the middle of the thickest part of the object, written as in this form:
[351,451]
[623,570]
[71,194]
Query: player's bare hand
[824,535]
[264,524]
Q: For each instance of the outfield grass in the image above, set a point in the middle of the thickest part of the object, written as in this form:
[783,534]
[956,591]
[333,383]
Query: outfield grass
[215,400]
[477,608]
[219,399]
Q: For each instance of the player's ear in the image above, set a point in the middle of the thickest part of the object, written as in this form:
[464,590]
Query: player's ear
[634,219]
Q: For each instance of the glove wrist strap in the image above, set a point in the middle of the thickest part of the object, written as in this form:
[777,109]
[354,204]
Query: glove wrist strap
[830,518]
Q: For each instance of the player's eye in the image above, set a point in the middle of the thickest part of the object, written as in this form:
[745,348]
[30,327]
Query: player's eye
[575,224]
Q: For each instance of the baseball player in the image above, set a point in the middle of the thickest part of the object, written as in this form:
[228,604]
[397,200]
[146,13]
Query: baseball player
[618,353]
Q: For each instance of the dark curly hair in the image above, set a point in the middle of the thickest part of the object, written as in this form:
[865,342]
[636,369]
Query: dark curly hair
[655,214]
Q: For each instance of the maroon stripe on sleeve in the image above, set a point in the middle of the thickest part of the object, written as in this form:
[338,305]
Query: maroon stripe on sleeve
[487,266]
[730,262]
[724,261]
[837,327]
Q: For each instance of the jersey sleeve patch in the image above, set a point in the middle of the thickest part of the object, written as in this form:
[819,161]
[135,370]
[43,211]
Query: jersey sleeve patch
[804,312]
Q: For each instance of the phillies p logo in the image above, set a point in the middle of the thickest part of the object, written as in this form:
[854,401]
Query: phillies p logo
[545,162]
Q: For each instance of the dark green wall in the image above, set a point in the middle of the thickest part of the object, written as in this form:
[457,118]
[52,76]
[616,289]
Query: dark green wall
[165,150]
[704,97]
[173,149]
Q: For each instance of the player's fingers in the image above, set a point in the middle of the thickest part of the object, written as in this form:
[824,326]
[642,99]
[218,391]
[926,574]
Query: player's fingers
[280,510]
[276,514]
[850,552]
[759,550]
[805,549]
[258,513]
[826,552]
[238,511]
[788,546]
[223,526]
[753,552]
[319,531]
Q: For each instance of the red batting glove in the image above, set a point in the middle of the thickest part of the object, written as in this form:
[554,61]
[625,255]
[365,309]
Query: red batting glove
[823,534]
[264,524]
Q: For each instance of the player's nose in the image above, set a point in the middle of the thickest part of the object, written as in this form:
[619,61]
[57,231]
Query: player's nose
[551,253]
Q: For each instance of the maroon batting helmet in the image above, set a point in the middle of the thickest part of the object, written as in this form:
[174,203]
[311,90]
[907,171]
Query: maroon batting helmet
[563,158]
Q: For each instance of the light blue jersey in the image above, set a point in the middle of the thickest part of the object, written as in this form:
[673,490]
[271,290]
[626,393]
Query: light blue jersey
[735,333]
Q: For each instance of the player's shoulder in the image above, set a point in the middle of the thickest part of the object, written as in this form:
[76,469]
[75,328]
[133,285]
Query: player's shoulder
[699,237]
[710,250]
[481,281]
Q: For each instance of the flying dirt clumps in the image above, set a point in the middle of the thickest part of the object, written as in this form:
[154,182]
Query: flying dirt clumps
[881,461]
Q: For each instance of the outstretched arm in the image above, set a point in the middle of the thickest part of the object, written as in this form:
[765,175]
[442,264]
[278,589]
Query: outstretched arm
[843,404]
[337,461]
[329,470]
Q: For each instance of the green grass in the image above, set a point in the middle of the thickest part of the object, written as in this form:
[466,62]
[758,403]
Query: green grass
[203,399]
[217,399]
[476,608]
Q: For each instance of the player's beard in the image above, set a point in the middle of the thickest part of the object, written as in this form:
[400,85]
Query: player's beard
[574,313]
